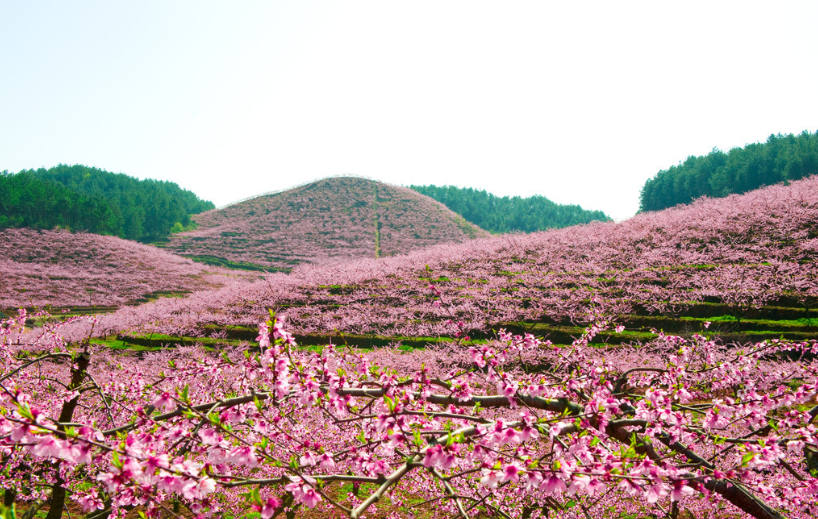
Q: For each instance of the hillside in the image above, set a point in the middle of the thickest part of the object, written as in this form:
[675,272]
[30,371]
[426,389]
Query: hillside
[748,263]
[509,214]
[672,338]
[782,158]
[81,198]
[328,220]
[65,269]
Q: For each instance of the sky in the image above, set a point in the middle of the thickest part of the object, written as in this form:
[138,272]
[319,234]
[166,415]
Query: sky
[580,102]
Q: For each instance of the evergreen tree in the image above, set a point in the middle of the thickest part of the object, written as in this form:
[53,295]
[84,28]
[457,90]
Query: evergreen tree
[781,159]
[506,214]
[90,199]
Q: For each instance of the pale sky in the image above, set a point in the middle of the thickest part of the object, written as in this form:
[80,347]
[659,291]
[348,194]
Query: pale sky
[580,102]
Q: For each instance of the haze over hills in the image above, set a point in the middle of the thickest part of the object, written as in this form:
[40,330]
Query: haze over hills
[324,221]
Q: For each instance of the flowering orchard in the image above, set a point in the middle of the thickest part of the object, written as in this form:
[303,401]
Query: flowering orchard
[511,425]
[515,427]
[733,256]
[61,268]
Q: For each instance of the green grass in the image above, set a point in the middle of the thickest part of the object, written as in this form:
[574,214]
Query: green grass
[237,265]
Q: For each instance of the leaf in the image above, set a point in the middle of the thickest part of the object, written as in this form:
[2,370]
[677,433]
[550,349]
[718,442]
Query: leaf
[747,458]
[390,404]
[115,460]
[25,411]
[184,393]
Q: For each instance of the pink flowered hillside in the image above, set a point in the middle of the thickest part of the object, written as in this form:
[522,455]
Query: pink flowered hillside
[325,221]
[61,268]
[731,256]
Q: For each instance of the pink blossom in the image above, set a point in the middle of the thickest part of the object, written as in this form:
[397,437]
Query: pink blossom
[553,484]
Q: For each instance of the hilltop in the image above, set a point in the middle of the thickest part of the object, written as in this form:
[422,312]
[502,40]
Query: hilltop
[328,220]
[503,214]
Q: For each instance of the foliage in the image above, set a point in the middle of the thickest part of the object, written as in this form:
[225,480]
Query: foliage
[90,199]
[782,158]
[508,214]
[27,201]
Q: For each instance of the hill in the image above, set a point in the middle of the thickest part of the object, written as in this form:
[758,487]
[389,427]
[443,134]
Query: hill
[508,214]
[748,263]
[64,269]
[328,220]
[782,158]
[88,199]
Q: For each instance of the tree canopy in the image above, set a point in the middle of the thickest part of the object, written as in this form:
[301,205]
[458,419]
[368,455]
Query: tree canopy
[90,199]
[506,214]
[781,159]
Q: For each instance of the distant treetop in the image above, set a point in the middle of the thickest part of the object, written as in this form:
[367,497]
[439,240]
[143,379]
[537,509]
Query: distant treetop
[506,214]
[82,198]
[781,159]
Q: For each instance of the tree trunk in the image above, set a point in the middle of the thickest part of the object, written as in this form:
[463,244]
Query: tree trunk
[66,414]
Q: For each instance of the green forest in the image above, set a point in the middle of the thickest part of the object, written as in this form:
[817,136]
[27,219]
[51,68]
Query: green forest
[507,214]
[782,158]
[82,198]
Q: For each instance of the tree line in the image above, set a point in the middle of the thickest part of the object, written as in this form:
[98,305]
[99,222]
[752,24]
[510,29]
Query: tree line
[781,159]
[82,198]
[507,214]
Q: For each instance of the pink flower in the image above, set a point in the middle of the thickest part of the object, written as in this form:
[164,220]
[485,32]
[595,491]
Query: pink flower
[308,459]
[327,462]
[579,482]
[245,456]
[310,498]
[162,400]
[433,456]
[680,489]
[303,492]
[89,502]
[553,484]
[269,507]
[155,462]
[477,358]
[512,471]
[654,492]
[491,478]
[49,446]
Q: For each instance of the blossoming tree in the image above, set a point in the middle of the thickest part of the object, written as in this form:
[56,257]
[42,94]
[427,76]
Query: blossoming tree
[514,427]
